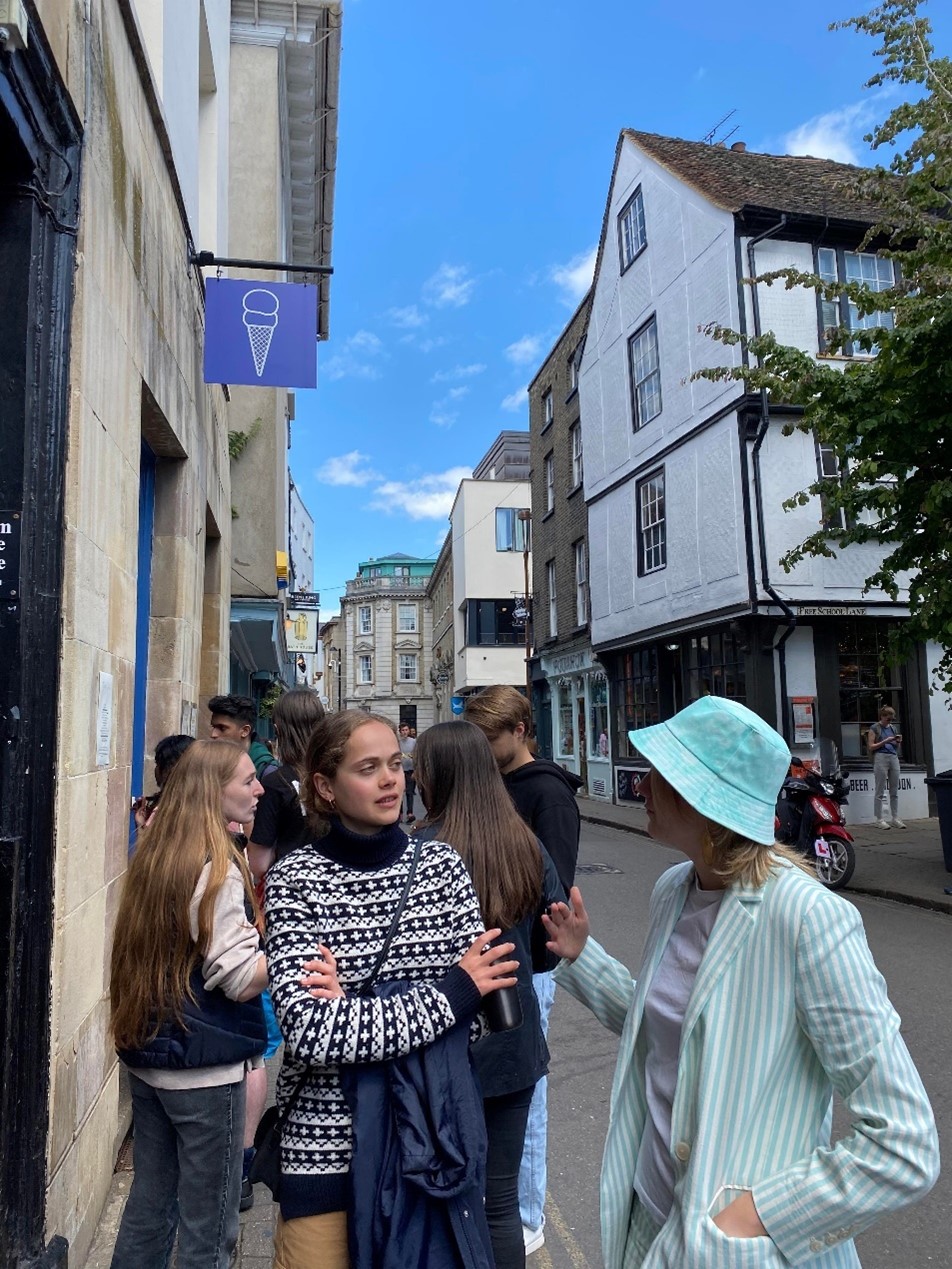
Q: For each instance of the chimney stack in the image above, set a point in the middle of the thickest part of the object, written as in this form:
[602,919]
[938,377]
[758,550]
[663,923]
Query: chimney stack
[739,147]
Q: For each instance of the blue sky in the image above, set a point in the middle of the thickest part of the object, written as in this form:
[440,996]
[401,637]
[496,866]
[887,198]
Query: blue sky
[475,149]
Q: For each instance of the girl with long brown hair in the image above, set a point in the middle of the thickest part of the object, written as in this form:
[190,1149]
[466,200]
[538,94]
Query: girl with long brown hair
[186,975]
[340,896]
[515,880]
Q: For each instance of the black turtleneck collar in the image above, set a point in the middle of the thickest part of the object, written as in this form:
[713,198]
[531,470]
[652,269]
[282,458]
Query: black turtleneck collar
[357,851]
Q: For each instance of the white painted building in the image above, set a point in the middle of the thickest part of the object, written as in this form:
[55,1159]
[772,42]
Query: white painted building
[490,560]
[685,479]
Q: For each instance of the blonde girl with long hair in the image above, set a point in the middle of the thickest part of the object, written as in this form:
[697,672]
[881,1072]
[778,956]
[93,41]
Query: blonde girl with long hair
[757,997]
[186,975]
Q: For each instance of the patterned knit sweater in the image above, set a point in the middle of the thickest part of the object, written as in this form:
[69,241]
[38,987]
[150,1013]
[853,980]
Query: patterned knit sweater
[343,891]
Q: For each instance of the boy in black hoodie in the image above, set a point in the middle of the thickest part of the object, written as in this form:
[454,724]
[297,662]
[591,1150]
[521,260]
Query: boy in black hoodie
[544,795]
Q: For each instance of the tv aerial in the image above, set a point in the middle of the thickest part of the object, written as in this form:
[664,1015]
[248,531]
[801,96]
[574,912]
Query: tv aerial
[711,138]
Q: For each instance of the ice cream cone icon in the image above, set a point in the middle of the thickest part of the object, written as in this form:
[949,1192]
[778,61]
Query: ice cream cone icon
[260,317]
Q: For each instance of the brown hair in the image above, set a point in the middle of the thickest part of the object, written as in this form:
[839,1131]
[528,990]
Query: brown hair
[463,790]
[498,708]
[153,952]
[733,857]
[295,715]
[325,753]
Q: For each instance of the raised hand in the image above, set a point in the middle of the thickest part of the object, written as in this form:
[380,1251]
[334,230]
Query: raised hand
[567,927]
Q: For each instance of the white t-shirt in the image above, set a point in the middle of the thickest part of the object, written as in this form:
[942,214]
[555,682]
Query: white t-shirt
[665,1007]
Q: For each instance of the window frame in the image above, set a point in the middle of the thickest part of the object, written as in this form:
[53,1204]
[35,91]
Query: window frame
[581,582]
[578,461]
[842,302]
[415,628]
[520,528]
[651,325]
[365,608]
[623,263]
[548,409]
[642,528]
[363,657]
[407,657]
[843,523]
[548,468]
[551,581]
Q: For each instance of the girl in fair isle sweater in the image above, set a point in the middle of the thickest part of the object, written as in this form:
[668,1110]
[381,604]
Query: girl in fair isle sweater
[335,899]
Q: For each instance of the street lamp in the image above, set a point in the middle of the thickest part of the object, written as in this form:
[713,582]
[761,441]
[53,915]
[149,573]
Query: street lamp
[336,652]
[525,515]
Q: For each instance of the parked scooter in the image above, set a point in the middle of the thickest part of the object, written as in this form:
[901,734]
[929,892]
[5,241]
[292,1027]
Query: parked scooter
[809,813]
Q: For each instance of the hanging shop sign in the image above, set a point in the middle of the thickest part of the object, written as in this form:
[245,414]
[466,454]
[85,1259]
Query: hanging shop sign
[304,599]
[263,334]
[301,627]
[10,556]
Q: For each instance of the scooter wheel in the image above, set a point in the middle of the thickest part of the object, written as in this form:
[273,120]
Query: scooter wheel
[836,871]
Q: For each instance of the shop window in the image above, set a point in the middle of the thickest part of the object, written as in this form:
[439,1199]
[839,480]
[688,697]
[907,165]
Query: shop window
[867,683]
[636,697]
[716,666]
[598,732]
[566,737]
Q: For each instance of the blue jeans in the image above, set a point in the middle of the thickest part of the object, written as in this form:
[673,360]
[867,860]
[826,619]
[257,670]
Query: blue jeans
[187,1157]
[532,1173]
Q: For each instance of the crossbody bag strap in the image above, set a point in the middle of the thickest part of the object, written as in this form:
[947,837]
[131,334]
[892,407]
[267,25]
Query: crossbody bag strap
[368,982]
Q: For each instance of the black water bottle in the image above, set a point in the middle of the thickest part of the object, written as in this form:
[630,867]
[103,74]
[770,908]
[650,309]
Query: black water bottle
[503,1009]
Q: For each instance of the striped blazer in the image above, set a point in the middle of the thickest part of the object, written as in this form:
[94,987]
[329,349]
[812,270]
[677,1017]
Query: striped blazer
[787,1006]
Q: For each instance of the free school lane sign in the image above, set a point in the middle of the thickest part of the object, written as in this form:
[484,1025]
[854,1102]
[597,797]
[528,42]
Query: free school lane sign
[9,556]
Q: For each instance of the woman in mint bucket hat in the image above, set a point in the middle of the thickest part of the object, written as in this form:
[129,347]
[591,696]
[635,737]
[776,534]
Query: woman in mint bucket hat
[756,997]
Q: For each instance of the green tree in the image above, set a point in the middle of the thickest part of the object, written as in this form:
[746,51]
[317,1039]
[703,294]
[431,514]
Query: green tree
[888,419]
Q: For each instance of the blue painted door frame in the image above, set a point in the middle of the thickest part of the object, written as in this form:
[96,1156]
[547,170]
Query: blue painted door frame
[140,680]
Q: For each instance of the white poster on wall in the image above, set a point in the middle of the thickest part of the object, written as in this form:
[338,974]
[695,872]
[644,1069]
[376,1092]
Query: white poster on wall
[104,721]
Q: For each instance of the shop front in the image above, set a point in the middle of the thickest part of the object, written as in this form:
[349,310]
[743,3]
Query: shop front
[578,709]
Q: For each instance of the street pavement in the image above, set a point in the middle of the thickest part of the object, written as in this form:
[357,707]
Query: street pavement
[618,865]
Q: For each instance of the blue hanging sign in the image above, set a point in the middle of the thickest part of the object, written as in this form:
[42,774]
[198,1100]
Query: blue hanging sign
[457,704]
[263,334]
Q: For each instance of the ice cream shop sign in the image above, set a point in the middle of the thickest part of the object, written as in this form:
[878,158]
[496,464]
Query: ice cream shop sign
[263,334]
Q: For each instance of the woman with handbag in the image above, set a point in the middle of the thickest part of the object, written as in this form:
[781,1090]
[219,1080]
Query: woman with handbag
[378,911]
[467,805]
[186,976]
[757,998]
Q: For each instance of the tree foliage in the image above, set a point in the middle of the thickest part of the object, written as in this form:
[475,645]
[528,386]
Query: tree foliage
[887,415]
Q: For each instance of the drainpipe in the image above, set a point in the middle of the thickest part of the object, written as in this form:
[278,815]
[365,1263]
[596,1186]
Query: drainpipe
[789,614]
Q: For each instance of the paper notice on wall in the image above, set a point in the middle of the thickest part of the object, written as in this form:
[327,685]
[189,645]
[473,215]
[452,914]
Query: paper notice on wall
[803,728]
[104,721]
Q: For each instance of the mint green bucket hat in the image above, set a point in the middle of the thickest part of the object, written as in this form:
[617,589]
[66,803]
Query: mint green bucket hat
[724,760]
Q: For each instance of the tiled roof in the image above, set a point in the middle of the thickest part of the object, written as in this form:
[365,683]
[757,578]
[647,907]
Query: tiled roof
[734,179]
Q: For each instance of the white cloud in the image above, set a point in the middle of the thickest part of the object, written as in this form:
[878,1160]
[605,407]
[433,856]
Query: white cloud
[449,287]
[346,469]
[442,412]
[835,135]
[524,350]
[516,401]
[427,497]
[355,358]
[458,372]
[431,344]
[407,318]
[575,276]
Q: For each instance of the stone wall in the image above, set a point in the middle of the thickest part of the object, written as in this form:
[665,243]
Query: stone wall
[136,375]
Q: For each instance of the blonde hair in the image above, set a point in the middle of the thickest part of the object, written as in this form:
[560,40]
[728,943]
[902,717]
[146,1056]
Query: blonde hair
[153,952]
[497,709]
[734,858]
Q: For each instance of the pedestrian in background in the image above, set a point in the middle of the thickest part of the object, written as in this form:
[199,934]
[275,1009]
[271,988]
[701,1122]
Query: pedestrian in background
[186,975]
[408,750]
[167,753]
[334,899]
[544,795]
[884,740]
[233,718]
[515,880]
[757,998]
